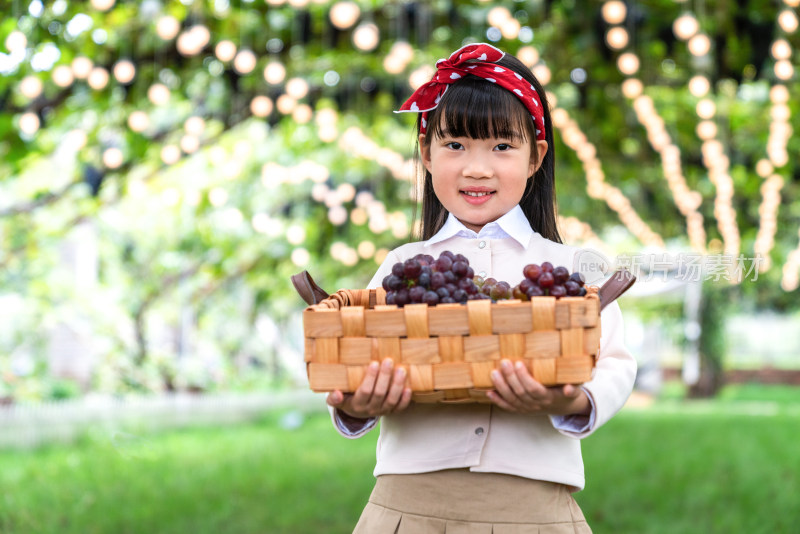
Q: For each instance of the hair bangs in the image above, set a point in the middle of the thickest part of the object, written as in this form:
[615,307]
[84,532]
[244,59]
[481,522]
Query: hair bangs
[479,109]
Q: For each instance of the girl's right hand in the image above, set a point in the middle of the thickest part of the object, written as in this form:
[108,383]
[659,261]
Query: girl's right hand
[381,392]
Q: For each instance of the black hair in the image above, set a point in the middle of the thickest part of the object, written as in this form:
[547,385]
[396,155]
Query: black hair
[476,108]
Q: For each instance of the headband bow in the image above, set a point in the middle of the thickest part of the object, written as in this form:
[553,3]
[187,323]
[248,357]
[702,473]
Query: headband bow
[480,60]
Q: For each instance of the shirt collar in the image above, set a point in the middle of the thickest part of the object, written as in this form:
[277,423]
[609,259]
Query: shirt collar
[512,225]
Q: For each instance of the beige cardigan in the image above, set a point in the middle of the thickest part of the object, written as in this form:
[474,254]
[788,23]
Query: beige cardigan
[485,438]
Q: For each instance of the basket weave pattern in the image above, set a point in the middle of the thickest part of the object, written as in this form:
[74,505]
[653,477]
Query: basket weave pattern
[449,350]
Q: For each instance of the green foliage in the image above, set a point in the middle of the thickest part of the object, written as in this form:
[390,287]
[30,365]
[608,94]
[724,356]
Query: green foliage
[208,232]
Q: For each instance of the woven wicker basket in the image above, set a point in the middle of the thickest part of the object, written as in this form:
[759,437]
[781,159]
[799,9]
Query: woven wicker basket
[449,350]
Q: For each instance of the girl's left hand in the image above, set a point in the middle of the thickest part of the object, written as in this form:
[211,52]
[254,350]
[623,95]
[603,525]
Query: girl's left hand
[517,391]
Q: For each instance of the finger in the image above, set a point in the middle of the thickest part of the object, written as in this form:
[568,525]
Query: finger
[533,387]
[395,389]
[382,384]
[500,401]
[571,391]
[501,385]
[335,398]
[405,400]
[512,379]
[364,392]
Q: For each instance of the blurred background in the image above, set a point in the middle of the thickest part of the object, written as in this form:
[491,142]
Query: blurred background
[166,166]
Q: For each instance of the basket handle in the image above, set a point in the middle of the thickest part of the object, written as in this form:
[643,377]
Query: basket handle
[619,283]
[308,290]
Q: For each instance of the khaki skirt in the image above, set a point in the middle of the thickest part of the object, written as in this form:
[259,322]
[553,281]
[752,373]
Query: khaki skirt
[457,501]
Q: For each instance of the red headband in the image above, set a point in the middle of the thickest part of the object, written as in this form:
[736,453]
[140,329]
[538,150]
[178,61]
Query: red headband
[478,59]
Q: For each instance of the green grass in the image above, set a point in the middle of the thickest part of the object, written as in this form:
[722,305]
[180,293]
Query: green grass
[673,468]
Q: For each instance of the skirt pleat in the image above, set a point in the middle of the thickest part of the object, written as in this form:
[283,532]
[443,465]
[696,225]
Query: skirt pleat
[458,501]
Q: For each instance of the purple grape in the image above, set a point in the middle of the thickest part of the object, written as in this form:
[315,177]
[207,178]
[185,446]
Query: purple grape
[401,297]
[572,287]
[546,280]
[443,264]
[393,283]
[470,273]
[459,295]
[560,274]
[424,280]
[397,270]
[450,277]
[460,268]
[431,298]
[412,269]
[442,292]
[532,271]
[526,284]
[558,291]
[390,297]
[416,293]
[449,255]
[535,291]
[578,278]
[447,300]
[547,267]
[460,257]
[437,280]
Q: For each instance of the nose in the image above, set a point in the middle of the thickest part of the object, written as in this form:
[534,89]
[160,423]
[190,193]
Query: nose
[477,165]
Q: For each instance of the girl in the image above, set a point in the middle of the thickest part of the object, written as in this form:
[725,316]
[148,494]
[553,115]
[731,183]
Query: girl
[486,145]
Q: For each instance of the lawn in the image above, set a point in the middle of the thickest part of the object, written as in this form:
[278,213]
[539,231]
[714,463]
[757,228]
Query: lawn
[730,466]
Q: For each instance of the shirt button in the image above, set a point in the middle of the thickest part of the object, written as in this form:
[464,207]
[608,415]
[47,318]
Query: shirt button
[479,431]
[482,244]
[482,274]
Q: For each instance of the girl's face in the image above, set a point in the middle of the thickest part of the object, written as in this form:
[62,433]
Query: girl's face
[480,180]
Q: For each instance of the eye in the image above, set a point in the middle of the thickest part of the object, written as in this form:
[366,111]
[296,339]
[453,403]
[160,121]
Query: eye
[502,147]
[454,145]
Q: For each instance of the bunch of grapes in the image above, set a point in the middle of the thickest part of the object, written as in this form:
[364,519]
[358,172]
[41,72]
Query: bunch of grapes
[546,280]
[422,279]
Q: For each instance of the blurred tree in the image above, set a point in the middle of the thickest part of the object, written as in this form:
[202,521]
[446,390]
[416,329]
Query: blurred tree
[218,147]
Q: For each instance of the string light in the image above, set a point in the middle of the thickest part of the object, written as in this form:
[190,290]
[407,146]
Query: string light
[780,131]
[614,12]
[138,121]
[82,67]
[62,76]
[167,27]
[124,71]
[29,123]
[686,200]
[31,87]
[596,186]
[274,72]
[617,38]
[685,27]
[297,88]
[225,50]
[261,106]
[699,45]
[528,55]
[158,94]
[628,63]
[791,270]
[113,158]
[244,62]
[98,78]
[366,37]
[15,41]
[344,14]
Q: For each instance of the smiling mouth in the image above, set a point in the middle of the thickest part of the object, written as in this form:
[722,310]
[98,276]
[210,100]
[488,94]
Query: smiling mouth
[478,193]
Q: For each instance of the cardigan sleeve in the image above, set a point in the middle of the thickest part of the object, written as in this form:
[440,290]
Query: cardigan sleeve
[613,376]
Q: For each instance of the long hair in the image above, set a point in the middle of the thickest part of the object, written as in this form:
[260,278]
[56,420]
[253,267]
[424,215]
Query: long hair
[473,107]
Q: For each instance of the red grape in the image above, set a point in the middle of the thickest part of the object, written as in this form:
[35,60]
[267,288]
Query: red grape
[532,272]
[546,280]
